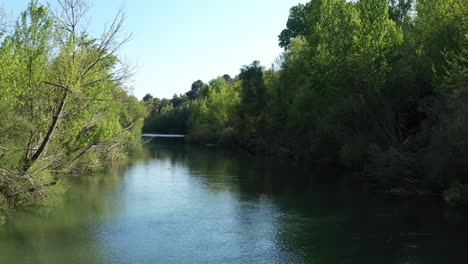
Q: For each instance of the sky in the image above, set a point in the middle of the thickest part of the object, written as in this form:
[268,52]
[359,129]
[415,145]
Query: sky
[176,42]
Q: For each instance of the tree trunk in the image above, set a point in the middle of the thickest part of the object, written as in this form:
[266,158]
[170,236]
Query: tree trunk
[50,132]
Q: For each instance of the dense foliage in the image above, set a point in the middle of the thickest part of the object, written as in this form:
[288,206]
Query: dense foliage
[63,104]
[375,85]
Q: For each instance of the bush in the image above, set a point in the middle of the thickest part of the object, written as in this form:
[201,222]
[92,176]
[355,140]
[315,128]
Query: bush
[456,193]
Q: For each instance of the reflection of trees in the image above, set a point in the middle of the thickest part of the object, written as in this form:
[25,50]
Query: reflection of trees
[248,174]
[282,210]
[322,219]
[68,229]
[167,149]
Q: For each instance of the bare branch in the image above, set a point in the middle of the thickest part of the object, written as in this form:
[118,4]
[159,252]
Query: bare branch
[4,23]
[70,13]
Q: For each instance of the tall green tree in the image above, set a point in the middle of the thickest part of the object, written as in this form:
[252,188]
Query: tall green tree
[64,107]
[297,25]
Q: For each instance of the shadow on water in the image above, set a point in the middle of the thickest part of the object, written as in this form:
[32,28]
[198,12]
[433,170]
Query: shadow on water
[175,203]
[327,218]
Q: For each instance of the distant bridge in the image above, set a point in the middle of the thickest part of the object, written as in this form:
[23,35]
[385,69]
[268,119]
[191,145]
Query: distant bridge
[164,135]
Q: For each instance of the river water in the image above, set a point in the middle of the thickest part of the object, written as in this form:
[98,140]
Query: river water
[182,204]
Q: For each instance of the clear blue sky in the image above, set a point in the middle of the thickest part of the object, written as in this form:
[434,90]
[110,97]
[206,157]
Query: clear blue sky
[176,42]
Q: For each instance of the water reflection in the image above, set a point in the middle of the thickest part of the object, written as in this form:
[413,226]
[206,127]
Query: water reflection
[326,219]
[175,203]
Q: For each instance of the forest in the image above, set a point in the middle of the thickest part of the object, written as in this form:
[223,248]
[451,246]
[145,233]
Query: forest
[378,87]
[64,107]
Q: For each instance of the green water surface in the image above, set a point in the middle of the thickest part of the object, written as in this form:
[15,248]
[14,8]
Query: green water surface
[183,204]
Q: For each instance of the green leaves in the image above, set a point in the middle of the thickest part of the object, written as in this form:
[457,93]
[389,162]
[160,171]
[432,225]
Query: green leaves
[63,105]
[441,27]
[215,113]
[297,25]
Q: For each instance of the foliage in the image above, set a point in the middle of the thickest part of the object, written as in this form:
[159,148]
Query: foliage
[213,116]
[64,107]
[456,193]
[167,116]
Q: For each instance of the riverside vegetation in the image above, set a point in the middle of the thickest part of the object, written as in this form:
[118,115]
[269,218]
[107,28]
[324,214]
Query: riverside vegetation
[64,106]
[378,86]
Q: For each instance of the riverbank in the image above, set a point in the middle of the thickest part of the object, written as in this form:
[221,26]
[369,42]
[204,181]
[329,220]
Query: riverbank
[454,196]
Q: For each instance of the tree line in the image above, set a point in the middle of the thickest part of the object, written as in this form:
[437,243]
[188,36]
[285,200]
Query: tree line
[377,86]
[64,106]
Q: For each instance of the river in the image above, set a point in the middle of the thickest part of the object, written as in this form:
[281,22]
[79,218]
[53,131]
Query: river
[175,203]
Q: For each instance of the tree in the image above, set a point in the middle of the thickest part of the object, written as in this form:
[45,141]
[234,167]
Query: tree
[29,48]
[3,22]
[228,78]
[195,90]
[80,66]
[214,117]
[253,88]
[399,10]
[179,100]
[297,25]
[63,100]
[147,97]
[440,27]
